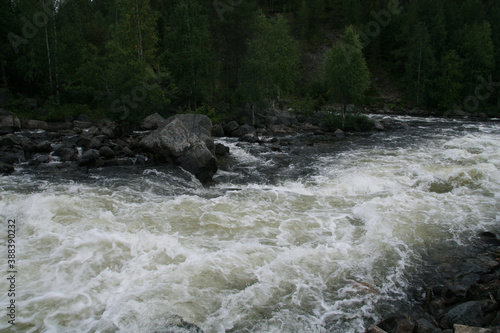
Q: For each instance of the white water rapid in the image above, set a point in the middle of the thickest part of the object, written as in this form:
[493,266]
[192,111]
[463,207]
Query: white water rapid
[332,249]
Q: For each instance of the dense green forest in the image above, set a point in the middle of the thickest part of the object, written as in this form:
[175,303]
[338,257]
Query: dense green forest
[124,59]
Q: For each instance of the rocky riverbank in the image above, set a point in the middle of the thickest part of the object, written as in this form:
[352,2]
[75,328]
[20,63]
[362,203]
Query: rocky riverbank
[459,294]
[76,145]
[79,144]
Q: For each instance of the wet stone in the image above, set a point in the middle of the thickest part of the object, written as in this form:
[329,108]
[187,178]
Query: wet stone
[468,313]
[106,152]
[9,140]
[6,168]
[221,150]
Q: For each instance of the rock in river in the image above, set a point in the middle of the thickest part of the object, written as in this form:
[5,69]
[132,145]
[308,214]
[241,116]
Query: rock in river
[174,142]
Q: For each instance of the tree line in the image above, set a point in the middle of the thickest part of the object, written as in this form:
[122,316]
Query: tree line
[124,59]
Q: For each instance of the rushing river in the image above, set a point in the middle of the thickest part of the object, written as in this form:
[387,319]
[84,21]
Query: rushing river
[322,238]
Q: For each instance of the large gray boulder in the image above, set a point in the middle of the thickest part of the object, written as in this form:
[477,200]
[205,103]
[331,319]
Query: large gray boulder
[468,313]
[180,144]
[198,124]
[153,122]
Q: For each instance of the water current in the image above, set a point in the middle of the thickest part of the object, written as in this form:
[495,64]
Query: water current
[325,237]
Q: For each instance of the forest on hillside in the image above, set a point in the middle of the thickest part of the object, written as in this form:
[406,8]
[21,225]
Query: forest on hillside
[125,59]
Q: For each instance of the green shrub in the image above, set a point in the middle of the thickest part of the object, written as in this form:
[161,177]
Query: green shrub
[356,122]
[304,105]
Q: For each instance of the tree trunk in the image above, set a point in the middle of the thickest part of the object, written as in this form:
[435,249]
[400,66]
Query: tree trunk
[4,77]
[279,96]
[55,52]
[47,44]
[253,114]
[238,78]
[344,108]
[419,71]
[139,32]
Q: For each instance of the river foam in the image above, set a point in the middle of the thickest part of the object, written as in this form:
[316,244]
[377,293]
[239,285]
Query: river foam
[328,252]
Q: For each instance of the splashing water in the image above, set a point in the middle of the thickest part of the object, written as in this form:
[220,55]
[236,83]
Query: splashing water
[327,251]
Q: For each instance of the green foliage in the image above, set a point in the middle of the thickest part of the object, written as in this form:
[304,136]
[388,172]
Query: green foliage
[346,71]
[449,84]
[136,28]
[271,66]
[356,122]
[306,105]
[58,113]
[86,55]
[420,63]
[475,46]
[189,55]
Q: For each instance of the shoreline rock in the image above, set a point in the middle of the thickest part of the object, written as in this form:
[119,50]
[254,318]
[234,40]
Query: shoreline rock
[464,299]
[82,144]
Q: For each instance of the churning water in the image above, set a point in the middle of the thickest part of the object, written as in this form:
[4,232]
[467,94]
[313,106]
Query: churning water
[327,240]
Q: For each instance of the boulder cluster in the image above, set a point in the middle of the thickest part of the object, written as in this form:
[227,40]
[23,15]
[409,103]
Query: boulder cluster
[184,140]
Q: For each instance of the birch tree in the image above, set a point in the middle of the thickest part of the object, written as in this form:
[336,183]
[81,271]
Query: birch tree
[346,72]
[272,61]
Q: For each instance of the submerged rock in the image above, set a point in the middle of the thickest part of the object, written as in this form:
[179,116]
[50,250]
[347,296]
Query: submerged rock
[179,325]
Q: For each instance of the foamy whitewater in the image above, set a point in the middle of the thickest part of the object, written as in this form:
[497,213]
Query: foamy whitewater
[330,242]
